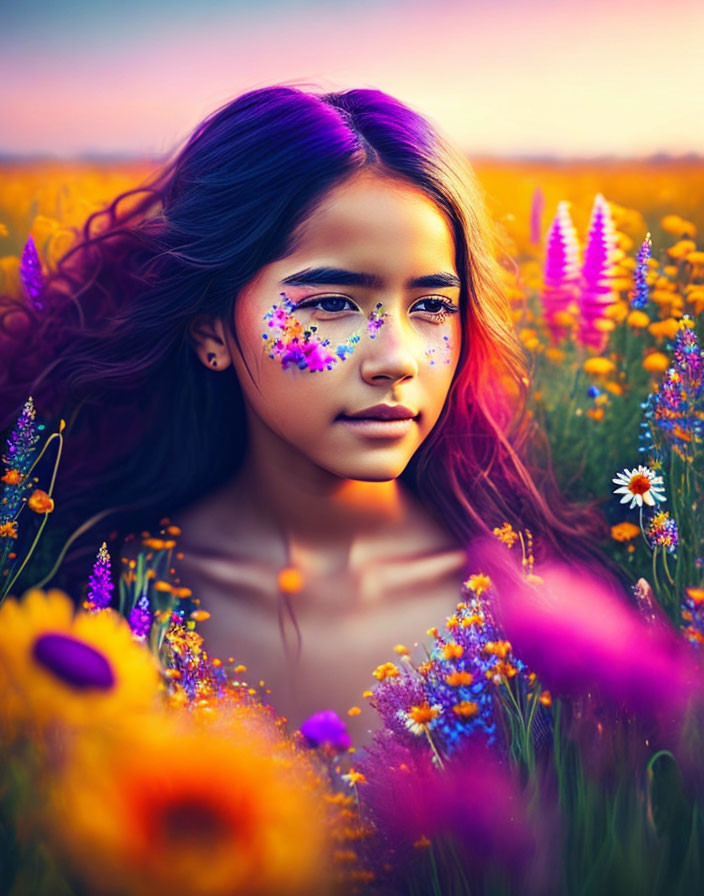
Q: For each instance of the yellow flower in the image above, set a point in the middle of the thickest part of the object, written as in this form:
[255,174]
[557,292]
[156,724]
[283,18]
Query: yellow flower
[40,502]
[599,366]
[467,709]
[386,670]
[624,531]
[695,257]
[478,583]
[637,319]
[169,809]
[664,329]
[682,248]
[656,362]
[75,668]
[506,535]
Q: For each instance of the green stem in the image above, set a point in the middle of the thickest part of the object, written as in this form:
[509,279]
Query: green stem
[664,561]
[434,749]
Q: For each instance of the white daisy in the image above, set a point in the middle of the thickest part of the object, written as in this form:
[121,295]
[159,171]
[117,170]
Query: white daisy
[639,486]
[420,719]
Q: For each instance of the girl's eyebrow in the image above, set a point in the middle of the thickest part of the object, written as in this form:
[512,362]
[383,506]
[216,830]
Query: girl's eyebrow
[341,277]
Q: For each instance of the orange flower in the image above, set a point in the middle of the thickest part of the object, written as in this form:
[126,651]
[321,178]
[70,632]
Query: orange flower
[12,477]
[656,362]
[624,531]
[457,679]
[637,319]
[506,535]
[40,502]
[290,580]
[466,709]
[452,651]
[598,366]
[8,530]
[696,594]
[478,583]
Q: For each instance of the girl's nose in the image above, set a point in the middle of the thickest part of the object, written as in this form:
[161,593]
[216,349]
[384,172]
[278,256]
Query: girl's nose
[391,354]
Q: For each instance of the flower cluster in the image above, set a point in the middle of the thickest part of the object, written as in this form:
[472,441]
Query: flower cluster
[662,532]
[678,404]
[451,695]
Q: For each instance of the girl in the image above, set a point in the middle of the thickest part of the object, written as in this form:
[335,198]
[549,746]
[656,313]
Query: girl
[297,347]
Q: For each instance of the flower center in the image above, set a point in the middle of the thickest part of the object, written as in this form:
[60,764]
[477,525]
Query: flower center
[639,484]
[74,662]
[190,820]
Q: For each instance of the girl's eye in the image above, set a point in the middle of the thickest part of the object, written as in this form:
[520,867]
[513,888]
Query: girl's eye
[329,304]
[440,308]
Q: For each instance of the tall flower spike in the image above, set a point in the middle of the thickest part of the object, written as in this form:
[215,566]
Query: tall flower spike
[678,405]
[597,291]
[537,207]
[561,275]
[18,458]
[100,585]
[641,293]
[31,274]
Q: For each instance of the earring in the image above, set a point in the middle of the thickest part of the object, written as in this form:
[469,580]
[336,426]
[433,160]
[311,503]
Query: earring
[211,358]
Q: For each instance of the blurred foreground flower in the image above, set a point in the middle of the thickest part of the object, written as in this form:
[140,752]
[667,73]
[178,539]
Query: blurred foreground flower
[59,666]
[169,809]
[580,638]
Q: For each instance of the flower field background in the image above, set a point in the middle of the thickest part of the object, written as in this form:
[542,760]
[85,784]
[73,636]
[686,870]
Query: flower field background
[549,740]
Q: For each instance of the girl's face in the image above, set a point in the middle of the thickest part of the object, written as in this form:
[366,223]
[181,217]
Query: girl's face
[365,313]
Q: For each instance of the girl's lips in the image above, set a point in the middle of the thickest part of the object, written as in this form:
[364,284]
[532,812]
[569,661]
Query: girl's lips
[379,429]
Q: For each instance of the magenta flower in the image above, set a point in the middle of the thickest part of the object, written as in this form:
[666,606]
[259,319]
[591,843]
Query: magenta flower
[561,274]
[581,638]
[597,293]
[326,727]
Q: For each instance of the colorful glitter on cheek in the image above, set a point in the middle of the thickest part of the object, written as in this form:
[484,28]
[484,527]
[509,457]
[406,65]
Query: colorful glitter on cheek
[376,320]
[444,350]
[299,347]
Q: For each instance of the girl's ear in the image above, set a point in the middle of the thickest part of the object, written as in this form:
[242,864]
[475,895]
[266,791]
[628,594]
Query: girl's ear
[208,338]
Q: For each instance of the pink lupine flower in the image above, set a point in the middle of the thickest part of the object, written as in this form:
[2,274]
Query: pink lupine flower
[561,275]
[597,292]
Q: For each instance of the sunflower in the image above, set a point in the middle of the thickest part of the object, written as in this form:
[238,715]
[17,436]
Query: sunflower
[57,665]
[174,808]
[639,486]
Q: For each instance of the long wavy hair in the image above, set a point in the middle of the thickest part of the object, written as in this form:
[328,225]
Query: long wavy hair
[151,429]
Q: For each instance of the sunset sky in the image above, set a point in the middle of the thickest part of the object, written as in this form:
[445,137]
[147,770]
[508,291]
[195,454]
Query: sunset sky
[507,77]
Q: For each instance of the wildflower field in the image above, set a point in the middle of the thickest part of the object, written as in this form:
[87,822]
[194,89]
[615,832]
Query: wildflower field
[549,738]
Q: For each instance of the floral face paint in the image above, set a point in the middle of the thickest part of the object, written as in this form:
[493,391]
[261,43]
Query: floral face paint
[294,345]
[443,351]
[376,320]
[302,347]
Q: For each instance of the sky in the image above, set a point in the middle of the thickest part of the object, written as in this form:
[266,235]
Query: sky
[499,77]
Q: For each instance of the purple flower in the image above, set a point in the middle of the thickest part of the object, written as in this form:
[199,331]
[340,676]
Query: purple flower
[140,618]
[326,727]
[640,294]
[31,274]
[597,292]
[19,456]
[100,586]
